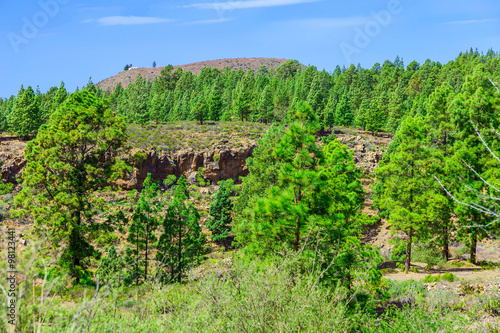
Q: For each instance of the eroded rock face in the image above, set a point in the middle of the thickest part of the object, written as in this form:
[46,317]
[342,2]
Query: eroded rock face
[218,164]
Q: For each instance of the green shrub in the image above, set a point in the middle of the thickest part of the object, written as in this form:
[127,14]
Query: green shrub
[488,265]
[388,270]
[428,254]
[398,252]
[450,277]
[407,288]
[492,305]
[461,251]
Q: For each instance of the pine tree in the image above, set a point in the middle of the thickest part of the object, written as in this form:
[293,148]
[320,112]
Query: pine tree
[199,110]
[315,96]
[317,192]
[145,221]
[441,133]
[475,109]
[263,172]
[329,112]
[24,120]
[343,111]
[109,267]
[265,106]
[215,104]
[375,118]
[220,212]
[182,243]
[59,97]
[407,188]
[136,101]
[66,163]
[242,101]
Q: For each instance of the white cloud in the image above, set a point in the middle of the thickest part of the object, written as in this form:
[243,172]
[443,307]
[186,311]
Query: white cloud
[208,21]
[248,4]
[472,21]
[127,20]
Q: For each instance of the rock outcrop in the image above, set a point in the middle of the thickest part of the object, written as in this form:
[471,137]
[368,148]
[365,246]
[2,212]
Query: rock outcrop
[219,162]
[217,165]
[12,159]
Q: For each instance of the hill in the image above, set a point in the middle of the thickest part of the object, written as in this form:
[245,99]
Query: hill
[245,64]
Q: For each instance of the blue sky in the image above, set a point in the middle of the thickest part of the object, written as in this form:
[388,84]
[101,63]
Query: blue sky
[47,41]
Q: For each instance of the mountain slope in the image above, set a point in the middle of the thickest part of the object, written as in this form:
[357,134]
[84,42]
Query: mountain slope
[245,64]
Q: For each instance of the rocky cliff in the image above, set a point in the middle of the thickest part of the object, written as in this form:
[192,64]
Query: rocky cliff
[217,165]
[219,162]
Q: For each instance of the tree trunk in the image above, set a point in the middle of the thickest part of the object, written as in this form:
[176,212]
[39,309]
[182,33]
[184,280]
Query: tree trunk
[473,246]
[408,251]
[297,236]
[296,243]
[146,263]
[137,259]
[410,233]
[446,250]
[74,245]
[179,254]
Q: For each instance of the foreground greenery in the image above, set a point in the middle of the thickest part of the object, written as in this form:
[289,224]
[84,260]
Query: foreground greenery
[243,296]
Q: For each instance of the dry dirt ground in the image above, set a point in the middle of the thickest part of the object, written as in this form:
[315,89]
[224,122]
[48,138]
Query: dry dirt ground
[467,272]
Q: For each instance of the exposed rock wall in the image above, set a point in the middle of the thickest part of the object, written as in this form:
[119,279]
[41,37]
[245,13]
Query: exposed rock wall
[217,165]
[218,162]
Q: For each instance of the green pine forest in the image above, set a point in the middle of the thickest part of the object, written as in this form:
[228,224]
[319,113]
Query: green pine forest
[284,251]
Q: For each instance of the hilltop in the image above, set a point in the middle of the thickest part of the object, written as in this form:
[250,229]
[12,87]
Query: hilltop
[244,64]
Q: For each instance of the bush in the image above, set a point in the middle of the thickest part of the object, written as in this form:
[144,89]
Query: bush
[461,251]
[450,277]
[398,252]
[408,288]
[428,254]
